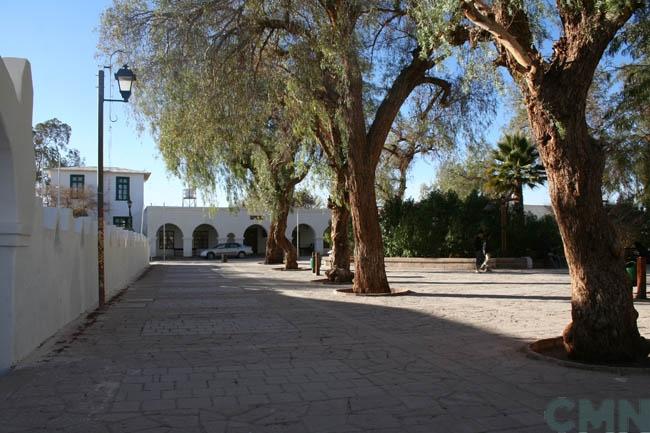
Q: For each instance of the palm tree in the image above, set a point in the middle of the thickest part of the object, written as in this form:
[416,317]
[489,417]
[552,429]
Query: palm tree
[515,164]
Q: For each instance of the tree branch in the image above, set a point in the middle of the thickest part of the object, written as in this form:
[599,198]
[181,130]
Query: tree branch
[410,77]
[445,91]
[521,55]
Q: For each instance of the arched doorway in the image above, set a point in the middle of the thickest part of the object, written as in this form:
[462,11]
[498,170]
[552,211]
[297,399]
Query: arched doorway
[307,239]
[255,237]
[204,236]
[169,241]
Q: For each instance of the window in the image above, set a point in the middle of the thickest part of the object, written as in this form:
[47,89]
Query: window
[122,192]
[124,222]
[77,182]
[169,239]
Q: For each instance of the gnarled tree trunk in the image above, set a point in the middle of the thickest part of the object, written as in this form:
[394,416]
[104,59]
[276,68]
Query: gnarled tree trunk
[274,253]
[369,269]
[280,229]
[603,326]
[340,258]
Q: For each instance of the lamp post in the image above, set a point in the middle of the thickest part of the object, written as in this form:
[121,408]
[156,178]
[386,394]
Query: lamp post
[125,78]
[130,203]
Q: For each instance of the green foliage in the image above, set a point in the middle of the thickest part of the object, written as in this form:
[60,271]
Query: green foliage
[444,225]
[464,176]
[51,140]
[304,198]
[515,163]
[219,117]
[621,117]
[439,225]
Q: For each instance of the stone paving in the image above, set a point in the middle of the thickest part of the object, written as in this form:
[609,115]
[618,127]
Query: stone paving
[241,347]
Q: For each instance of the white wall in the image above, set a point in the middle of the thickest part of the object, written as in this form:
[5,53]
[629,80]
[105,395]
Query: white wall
[56,274]
[226,221]
[48,260]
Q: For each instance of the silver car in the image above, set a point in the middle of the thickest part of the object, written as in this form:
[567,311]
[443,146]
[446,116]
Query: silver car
[230,249]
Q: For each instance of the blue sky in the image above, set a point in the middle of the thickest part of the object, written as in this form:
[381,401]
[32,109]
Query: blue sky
[59,39]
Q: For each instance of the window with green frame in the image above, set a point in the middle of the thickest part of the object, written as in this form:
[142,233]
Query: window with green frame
[122,190]
[77,183]
[124,222]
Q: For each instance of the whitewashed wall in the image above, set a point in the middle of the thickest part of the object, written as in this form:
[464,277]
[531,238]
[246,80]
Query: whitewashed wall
[185,220]
[48,260]
[56,278]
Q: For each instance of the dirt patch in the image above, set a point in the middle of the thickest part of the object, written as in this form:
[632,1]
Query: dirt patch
[393,292]
[327,281]
[552,350]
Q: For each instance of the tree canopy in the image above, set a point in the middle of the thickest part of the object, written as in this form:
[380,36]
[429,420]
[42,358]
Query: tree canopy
[51,149]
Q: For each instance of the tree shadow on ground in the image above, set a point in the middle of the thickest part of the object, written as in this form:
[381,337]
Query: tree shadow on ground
[491,296]
[184,352]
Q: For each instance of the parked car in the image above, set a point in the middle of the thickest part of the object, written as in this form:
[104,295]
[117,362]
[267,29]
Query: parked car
[231,249]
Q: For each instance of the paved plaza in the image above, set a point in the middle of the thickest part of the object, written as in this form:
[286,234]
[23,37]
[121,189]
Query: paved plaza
[242,347]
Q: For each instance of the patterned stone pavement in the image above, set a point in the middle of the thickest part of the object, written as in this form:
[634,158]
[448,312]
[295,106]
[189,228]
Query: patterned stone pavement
[241,347]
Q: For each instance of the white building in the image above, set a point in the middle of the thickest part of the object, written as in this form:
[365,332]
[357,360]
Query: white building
[188,230]
[121,185]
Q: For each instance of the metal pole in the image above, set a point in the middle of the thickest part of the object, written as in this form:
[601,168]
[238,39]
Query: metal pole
[641,291]
[100,189]
[298,233]
[164,244]
[58,180]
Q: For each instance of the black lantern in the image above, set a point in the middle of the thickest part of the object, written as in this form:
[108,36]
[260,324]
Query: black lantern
[125,78]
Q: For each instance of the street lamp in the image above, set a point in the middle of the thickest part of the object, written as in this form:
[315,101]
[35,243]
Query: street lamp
[125,78]
[130,203]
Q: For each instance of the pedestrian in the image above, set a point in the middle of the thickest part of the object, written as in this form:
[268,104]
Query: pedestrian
[486,254]
[478,249]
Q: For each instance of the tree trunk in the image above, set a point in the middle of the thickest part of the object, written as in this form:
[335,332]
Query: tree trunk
[290,254]
[340,258]
[603,326]
[503,224]
[518,200]
[369,270]
[274,253]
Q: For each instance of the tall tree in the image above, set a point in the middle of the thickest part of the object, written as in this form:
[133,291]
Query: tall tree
[51,149]
[462,176]
[515,164]
[435,122]
[555,89]
[332,52]
[216,119]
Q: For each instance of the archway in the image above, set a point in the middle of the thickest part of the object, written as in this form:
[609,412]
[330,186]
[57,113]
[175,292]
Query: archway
[307,239]
[169,241]
[255,237]
[204,236]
